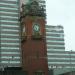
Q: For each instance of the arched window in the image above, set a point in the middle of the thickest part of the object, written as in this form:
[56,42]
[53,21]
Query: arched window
[23,32]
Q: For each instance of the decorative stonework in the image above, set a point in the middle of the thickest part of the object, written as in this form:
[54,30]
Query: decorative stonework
[33,9]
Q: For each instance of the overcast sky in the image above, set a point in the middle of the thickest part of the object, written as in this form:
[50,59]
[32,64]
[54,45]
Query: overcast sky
[63,12]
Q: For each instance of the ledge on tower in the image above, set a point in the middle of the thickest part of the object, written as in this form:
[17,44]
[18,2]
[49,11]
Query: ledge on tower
[37,36]
[24,38]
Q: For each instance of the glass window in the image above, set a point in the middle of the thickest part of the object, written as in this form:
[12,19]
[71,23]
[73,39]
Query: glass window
[9,12]
[6,57]
[11,34]
[10,43]
[55,45]
[10,61]
[10,39]
[9,30]
[9,47]
[9,21]
[10,52]
[4,61]
[53,37]
[14,61]
[9,25]
[8,8]
[16,57]
[9,16]
[8,4]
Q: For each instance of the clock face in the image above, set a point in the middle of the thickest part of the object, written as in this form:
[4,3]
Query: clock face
[36,27]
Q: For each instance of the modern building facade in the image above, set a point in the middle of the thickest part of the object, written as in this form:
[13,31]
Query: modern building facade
[59,60]
[55,38]
[10,45]
[62,62]
[55,43]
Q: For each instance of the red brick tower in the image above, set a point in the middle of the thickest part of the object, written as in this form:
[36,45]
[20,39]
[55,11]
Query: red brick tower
[34,54]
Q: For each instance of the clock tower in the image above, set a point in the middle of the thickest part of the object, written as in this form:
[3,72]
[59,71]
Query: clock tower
[34,54]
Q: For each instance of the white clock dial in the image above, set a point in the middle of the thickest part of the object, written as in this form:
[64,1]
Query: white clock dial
[36,27]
